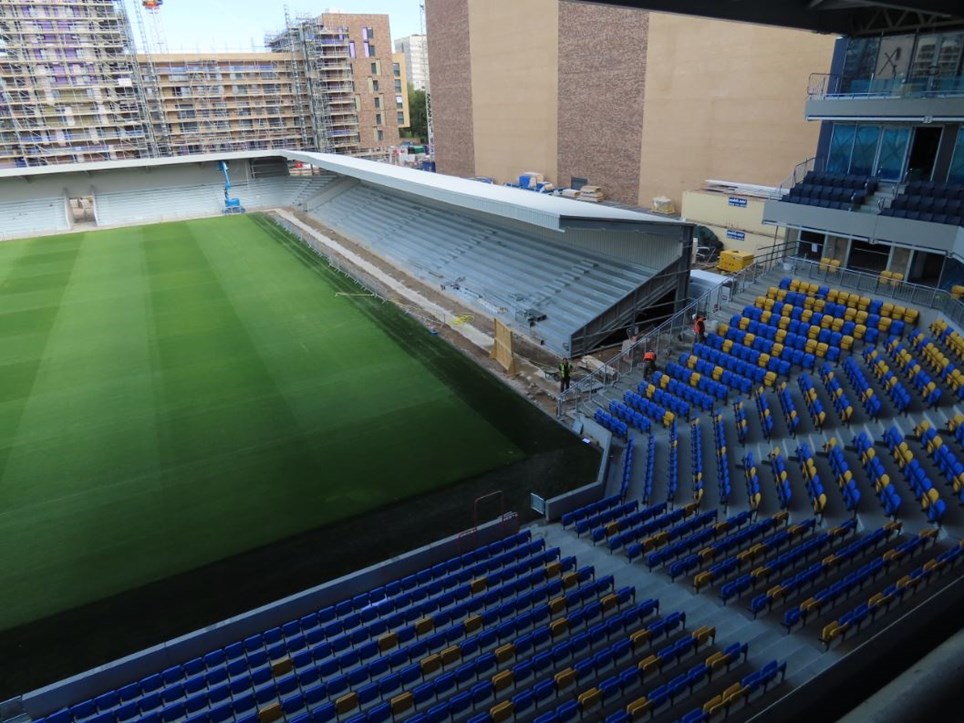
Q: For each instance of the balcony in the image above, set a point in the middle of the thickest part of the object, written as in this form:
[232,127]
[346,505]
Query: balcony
[833,97]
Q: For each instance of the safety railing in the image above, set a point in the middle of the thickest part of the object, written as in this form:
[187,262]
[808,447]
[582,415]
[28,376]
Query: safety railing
[830,85]
[797,175]
[662,338]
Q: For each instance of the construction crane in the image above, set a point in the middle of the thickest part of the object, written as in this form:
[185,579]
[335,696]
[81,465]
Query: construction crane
[430,141]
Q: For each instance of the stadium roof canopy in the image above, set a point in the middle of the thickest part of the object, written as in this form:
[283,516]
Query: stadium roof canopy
[844,17]
[552,212]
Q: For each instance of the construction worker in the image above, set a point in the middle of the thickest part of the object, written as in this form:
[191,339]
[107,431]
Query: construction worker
[699,328]
[565,372]
[649,363]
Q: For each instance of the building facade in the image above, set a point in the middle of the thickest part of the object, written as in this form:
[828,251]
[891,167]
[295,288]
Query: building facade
[70,87]
[643,104]
[73,89]
[415,49]
[883,189]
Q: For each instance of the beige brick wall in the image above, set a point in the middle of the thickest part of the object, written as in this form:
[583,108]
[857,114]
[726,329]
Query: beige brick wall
[451,80]
[362,73]
[602,88]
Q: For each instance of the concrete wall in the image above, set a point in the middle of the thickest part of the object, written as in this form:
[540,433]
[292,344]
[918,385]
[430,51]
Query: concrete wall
[448,56]
[602,91]
[725,100]
[514,87]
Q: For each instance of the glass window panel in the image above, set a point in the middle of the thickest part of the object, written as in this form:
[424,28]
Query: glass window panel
[893,150]
[841,146]
[956,174]
[865,150]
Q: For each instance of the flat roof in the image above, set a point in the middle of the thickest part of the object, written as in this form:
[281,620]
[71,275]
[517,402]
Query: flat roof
[537,209]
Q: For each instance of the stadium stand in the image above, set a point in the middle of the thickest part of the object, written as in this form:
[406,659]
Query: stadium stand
[33,217]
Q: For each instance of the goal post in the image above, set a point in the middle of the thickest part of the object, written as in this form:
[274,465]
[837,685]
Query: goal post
[502,348]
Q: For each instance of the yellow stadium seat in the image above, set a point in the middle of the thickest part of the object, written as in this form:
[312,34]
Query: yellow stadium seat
[861,317]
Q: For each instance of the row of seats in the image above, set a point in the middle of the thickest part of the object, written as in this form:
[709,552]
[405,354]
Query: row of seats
[740,422]
[874,469]
[570,518]
[789,409]
[814,406]
[665,399]
[947,336]
[919,379]
[706,385]
[856,580]
[763,410]
[640,529]
[935,358]
[688,394]
[696,466]
[955,425]
[927,208]
[743,691]
[672,477]
[899,396]
[842,199]
[630,416]
[604,517]
[812,482]
[814,306]
[846,323]
[652,410]
[880,602]
[842,475]
[793,348]
[774,538]
[758,337]
[724,486]
[734,540]
[946,461]
[841,180]
[607,421]
[797,553]
[650,475]
[702,369]
[826,566]
[885,309]
[627,469]
[781,478]
[936,189]
[699,538]
[754,494]
[924,491]
[755,363]
[626,522]
[855,374]
[841,404]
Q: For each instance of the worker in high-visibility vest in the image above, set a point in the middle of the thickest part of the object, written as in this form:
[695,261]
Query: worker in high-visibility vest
[649,363]
[565,372]
[699,328]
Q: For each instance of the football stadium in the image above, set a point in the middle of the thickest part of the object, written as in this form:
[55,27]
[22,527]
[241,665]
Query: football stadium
[288,434]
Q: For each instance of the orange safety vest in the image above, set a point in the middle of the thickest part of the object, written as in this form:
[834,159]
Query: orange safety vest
[698,325]
[649,356]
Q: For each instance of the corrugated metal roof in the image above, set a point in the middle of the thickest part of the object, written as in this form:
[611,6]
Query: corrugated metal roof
[92,166]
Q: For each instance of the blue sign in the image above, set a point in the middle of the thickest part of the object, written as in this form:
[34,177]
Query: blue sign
[738,202]
[735,235]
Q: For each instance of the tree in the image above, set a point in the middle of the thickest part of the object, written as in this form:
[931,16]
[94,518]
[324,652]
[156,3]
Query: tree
[418,126]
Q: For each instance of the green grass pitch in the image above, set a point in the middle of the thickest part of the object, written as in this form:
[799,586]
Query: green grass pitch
[176,393]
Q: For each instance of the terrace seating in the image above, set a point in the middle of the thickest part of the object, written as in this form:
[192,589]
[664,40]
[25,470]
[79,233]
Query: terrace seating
[814,405]
[808,468]
[940,364]
[627,469]
[717,367]
[924,491]
[627,522]
[696,447]
[33,217]
[630,416]
[831,190]
[647,536]
[789,409]
[763,409]
[947,462]
[840,402]
[670,401]
[781,478]
[592,508]
[929,201]
[882,317]
[871,403]
[740,421]
[880,603]
[605,516]
[654,411]
[742,360]
[722,459]
[650,475]
[842,475]
[949,337]
[899,396]
[614,425]
[919,379]
[672,482]
[753,494]
[874,469]
[672,384]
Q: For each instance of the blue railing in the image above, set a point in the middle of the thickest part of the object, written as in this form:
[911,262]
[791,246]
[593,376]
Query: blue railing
[828,85]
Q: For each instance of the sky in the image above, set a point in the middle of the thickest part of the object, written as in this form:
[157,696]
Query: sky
[207,25]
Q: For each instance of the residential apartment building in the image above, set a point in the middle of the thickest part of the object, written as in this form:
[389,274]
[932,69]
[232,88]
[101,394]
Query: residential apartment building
[643,104]
[415,49]
[73,89]
[399,88]
[70,86]
[371,65]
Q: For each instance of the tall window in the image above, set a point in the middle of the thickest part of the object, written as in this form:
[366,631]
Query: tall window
[956,174]
[893,150]
[865,150]
[841,146]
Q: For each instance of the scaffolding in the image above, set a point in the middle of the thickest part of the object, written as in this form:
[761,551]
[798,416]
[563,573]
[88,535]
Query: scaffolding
[70,84]
[320,67]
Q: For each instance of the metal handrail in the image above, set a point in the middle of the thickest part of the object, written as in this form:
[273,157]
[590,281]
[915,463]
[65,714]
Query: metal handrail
[830,85]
